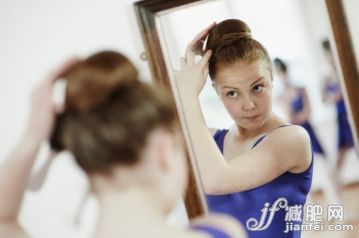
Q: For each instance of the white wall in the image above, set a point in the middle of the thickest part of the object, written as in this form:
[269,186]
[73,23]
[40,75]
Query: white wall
[38,35]
[35,37]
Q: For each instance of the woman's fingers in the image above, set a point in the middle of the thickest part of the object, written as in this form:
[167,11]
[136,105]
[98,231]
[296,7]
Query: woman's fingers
[190,59]
[196,45]
[204,63]
[190,55]
[205,73]
[202,35]
[205,58]
[64,69]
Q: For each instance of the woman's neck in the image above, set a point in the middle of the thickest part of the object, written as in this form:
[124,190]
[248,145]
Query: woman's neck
[122,213]
[271,123]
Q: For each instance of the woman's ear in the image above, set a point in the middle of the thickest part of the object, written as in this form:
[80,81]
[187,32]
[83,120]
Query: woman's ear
[161,147]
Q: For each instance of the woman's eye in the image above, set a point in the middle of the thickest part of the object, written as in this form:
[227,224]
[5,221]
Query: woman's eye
[232,94]
[258,88]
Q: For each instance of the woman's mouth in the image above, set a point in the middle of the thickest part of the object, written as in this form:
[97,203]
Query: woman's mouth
[251,118]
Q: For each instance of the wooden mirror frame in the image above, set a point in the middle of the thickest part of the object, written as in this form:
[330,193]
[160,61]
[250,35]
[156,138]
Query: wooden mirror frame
[148,10]
[347,60]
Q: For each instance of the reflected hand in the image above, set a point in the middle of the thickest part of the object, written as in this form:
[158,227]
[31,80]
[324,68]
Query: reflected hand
[195,47]
[192,76]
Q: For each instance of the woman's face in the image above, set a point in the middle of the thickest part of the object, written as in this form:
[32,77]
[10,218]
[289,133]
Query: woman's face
[245,90]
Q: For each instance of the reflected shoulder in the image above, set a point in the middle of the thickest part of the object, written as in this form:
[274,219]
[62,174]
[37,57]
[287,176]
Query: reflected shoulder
[294,140]
[291,135]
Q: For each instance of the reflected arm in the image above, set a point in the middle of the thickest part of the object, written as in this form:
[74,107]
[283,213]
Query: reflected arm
[251,169]
[209,158]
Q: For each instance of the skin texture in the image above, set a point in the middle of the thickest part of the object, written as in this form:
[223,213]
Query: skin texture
[245,90]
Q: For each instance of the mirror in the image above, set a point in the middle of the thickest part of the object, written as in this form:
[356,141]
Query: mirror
[290,30]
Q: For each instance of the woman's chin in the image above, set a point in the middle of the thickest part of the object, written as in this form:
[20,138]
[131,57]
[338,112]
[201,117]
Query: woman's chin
[251,123]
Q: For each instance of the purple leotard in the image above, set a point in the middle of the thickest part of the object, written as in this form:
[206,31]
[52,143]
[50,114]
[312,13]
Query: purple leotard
[298,105]
[345,137]
[246,206]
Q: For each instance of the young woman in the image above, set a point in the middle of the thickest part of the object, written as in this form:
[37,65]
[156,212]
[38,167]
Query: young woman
[261,167]
[124,135]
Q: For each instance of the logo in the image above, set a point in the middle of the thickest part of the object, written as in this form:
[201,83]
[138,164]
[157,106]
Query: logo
[294,217]
[255,225]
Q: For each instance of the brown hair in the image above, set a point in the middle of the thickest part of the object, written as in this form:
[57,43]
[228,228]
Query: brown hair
[109,113]
[231,41]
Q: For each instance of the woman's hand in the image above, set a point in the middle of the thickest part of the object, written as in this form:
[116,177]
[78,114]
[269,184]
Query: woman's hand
[15,171]
[195,47]
[192,76]
[43,108]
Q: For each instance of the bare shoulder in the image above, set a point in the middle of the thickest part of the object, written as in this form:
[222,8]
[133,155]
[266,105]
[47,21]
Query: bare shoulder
[12,230]
[293,136]
[295,141]
[291,131]
[223,222]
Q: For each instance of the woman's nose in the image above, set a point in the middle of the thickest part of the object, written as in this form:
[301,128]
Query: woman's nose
[248,104]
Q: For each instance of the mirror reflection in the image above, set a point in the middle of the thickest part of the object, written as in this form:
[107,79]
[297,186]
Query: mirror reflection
[300,79]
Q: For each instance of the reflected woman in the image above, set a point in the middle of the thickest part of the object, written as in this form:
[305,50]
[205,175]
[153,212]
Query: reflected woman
[124,135]
[261,166]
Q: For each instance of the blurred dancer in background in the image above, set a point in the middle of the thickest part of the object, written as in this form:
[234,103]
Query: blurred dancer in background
[297,106]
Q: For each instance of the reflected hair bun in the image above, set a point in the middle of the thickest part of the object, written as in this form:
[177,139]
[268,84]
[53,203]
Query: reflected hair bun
[227,33]
[231,41]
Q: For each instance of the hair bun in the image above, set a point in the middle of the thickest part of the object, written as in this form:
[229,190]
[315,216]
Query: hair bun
[230,38]
[227,33]
[90,84]
[92,81]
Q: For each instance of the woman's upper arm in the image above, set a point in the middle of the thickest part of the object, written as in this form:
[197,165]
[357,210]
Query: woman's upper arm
[285,149]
